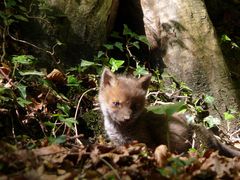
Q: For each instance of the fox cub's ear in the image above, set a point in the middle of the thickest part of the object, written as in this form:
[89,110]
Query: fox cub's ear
[107,78]
[144,81]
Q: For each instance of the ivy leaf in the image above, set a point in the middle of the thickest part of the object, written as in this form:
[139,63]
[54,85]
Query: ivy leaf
[209,99]
[85,63]
[64,107]
[23,59]
[127,31]
[143,39]
[228,116]
[31,72]
[69,121]
[115,64]
[21,18]
[10,3]
[211,121]
[100,54]
[115,35]
[108,46]
[119,45]
[168,109]
[23,102]
[136,44]
[72,81]
[58,140]
[225,38]
[140,70]
[23,90]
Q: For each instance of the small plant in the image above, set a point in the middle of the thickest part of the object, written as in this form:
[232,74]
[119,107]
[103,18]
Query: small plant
[176,166]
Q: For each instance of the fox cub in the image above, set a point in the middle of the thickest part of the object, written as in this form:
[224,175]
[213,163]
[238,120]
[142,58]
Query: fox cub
[122,101]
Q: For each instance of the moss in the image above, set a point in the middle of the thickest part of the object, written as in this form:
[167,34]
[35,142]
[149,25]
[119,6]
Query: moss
[94,122]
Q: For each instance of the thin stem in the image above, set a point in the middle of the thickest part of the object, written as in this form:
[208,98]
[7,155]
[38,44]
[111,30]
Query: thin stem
[76,113]
[3,43]
[111,167]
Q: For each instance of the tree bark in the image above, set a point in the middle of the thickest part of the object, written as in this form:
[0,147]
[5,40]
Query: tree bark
[181,32]
[81,25]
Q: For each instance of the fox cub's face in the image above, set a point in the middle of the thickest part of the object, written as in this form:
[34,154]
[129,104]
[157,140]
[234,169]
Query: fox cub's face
[122,98]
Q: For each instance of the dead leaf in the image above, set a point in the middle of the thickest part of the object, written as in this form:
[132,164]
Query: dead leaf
[56,76]
[219,164]
[161,154]
[53,153]
[5,69]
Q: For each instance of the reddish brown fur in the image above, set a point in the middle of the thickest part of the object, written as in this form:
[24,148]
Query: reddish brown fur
[122,101]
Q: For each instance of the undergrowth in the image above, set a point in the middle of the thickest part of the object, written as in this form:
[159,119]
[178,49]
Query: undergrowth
[58,104]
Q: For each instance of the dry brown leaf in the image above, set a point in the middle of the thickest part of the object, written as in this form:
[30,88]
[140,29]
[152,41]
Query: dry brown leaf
[5,69]
[56,76]
[219,164]
[49,150]
[53,153]
[161,154]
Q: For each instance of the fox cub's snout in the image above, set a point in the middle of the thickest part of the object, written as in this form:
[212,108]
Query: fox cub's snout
[122,98]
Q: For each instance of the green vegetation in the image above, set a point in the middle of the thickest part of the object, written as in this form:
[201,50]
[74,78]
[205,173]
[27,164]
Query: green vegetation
[43,106]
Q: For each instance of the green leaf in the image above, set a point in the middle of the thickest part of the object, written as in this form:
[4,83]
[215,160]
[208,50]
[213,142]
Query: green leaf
[234,45]
[168,109]
[72,81]
[10,3]
[58,140]
[108,46]
[64,107]
[225,38]
[23,102]
[228,116]
[140,70]
[59,42]
[199,108]
[23,90]
[211,121]
[3,15]
[127,31]
[143,39]
[22,8]
[100,54]
[209,99]
[21,18]
[69,121]
[119,45]
[85,63]
[31,72]
[23,59]
[115,35]
[115,64]
[135,44]
[50,124]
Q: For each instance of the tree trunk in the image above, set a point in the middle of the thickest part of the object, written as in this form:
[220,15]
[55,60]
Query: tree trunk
[82,26]
[181,32]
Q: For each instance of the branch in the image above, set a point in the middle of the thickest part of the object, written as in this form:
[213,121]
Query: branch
[3,43]
[76,112]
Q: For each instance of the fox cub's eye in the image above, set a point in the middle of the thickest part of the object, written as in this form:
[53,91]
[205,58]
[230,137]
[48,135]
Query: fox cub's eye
[116,103]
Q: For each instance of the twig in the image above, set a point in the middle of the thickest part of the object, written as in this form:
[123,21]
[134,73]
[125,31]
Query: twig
[28,43]
[13,130]
[76,113]
[231,135]
[51,53]
[112,168]
[3,43]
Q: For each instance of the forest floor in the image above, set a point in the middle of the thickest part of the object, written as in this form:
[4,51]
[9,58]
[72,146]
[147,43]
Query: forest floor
[41,113]
[104,161]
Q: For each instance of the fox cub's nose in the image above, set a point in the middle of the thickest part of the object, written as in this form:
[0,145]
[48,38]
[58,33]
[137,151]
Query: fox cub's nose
[127,116]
